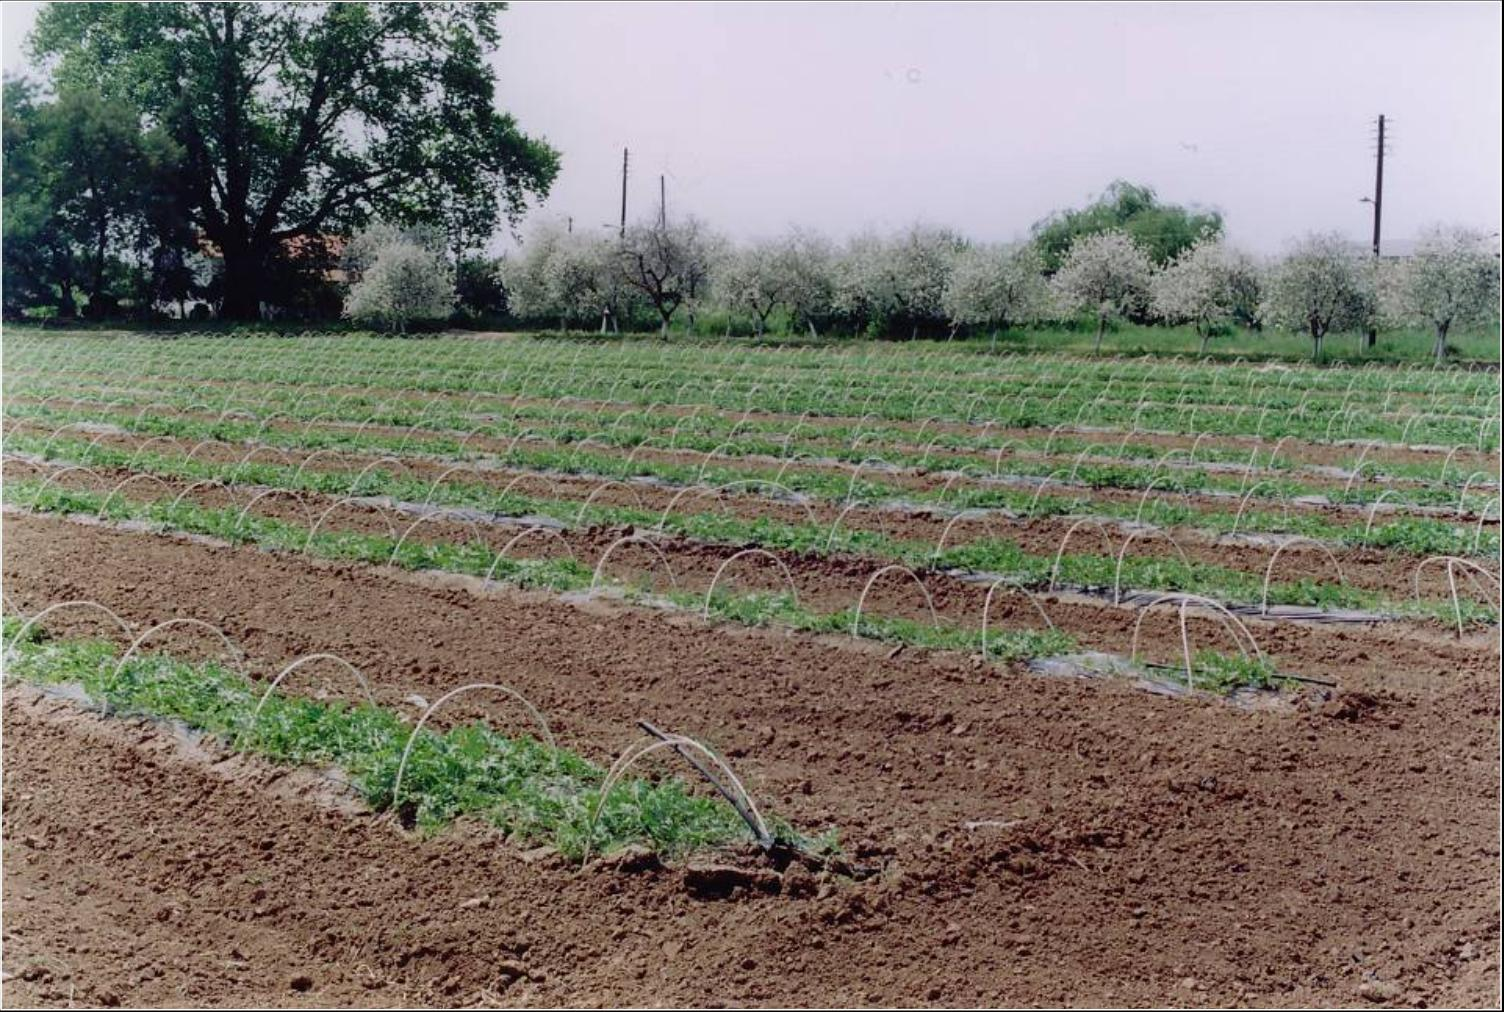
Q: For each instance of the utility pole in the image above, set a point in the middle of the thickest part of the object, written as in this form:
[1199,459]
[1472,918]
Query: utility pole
[622,232]
[1378,188]
[662,203]
[1372,337]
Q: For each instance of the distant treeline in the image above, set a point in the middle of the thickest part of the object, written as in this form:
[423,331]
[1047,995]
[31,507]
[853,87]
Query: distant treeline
[307,162]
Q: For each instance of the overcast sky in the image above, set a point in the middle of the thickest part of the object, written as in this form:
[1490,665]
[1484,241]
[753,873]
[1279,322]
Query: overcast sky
[985,118]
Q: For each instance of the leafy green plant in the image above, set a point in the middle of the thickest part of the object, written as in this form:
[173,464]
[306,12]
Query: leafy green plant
[1003,558]
[527,789]
[1223,672]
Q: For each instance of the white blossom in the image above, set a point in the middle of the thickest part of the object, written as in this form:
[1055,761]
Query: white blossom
[793,272]
[526,275]
[1324,283]
[361,251]
[808,267]
[404,283]
[567,277]
[1105,273]
[923,258]
[862,280]
[754,278]
[1208,284]
[996,286]
[878,281]
[1453,278]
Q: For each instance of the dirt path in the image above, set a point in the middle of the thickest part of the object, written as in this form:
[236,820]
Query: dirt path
[1151,850]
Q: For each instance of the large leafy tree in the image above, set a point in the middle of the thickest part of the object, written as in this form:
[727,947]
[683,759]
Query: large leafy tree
[83,185]
[38,263]
[296,119]
[1162,230]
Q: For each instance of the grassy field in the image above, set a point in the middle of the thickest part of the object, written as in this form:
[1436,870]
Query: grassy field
[870,637]
[1394,346]
[1398,346]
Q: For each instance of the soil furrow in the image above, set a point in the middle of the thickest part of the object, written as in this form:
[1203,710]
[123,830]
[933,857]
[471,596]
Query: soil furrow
[1055,840]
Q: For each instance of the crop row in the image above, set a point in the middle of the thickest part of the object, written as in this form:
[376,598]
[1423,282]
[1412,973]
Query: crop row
[708,431]
[987,555]
[1161,502]
[1205,669]
[965,395]
[474,558]
[364,358]
[1094,465]
[528,786]
[339,492]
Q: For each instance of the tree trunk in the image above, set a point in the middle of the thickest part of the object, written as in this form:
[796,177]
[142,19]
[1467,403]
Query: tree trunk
[1371,337]
[1316,339]
[101,246]
[1101,329]
[1440,350]
[67,309]
[812,332]
[242,283]
[1206,336]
